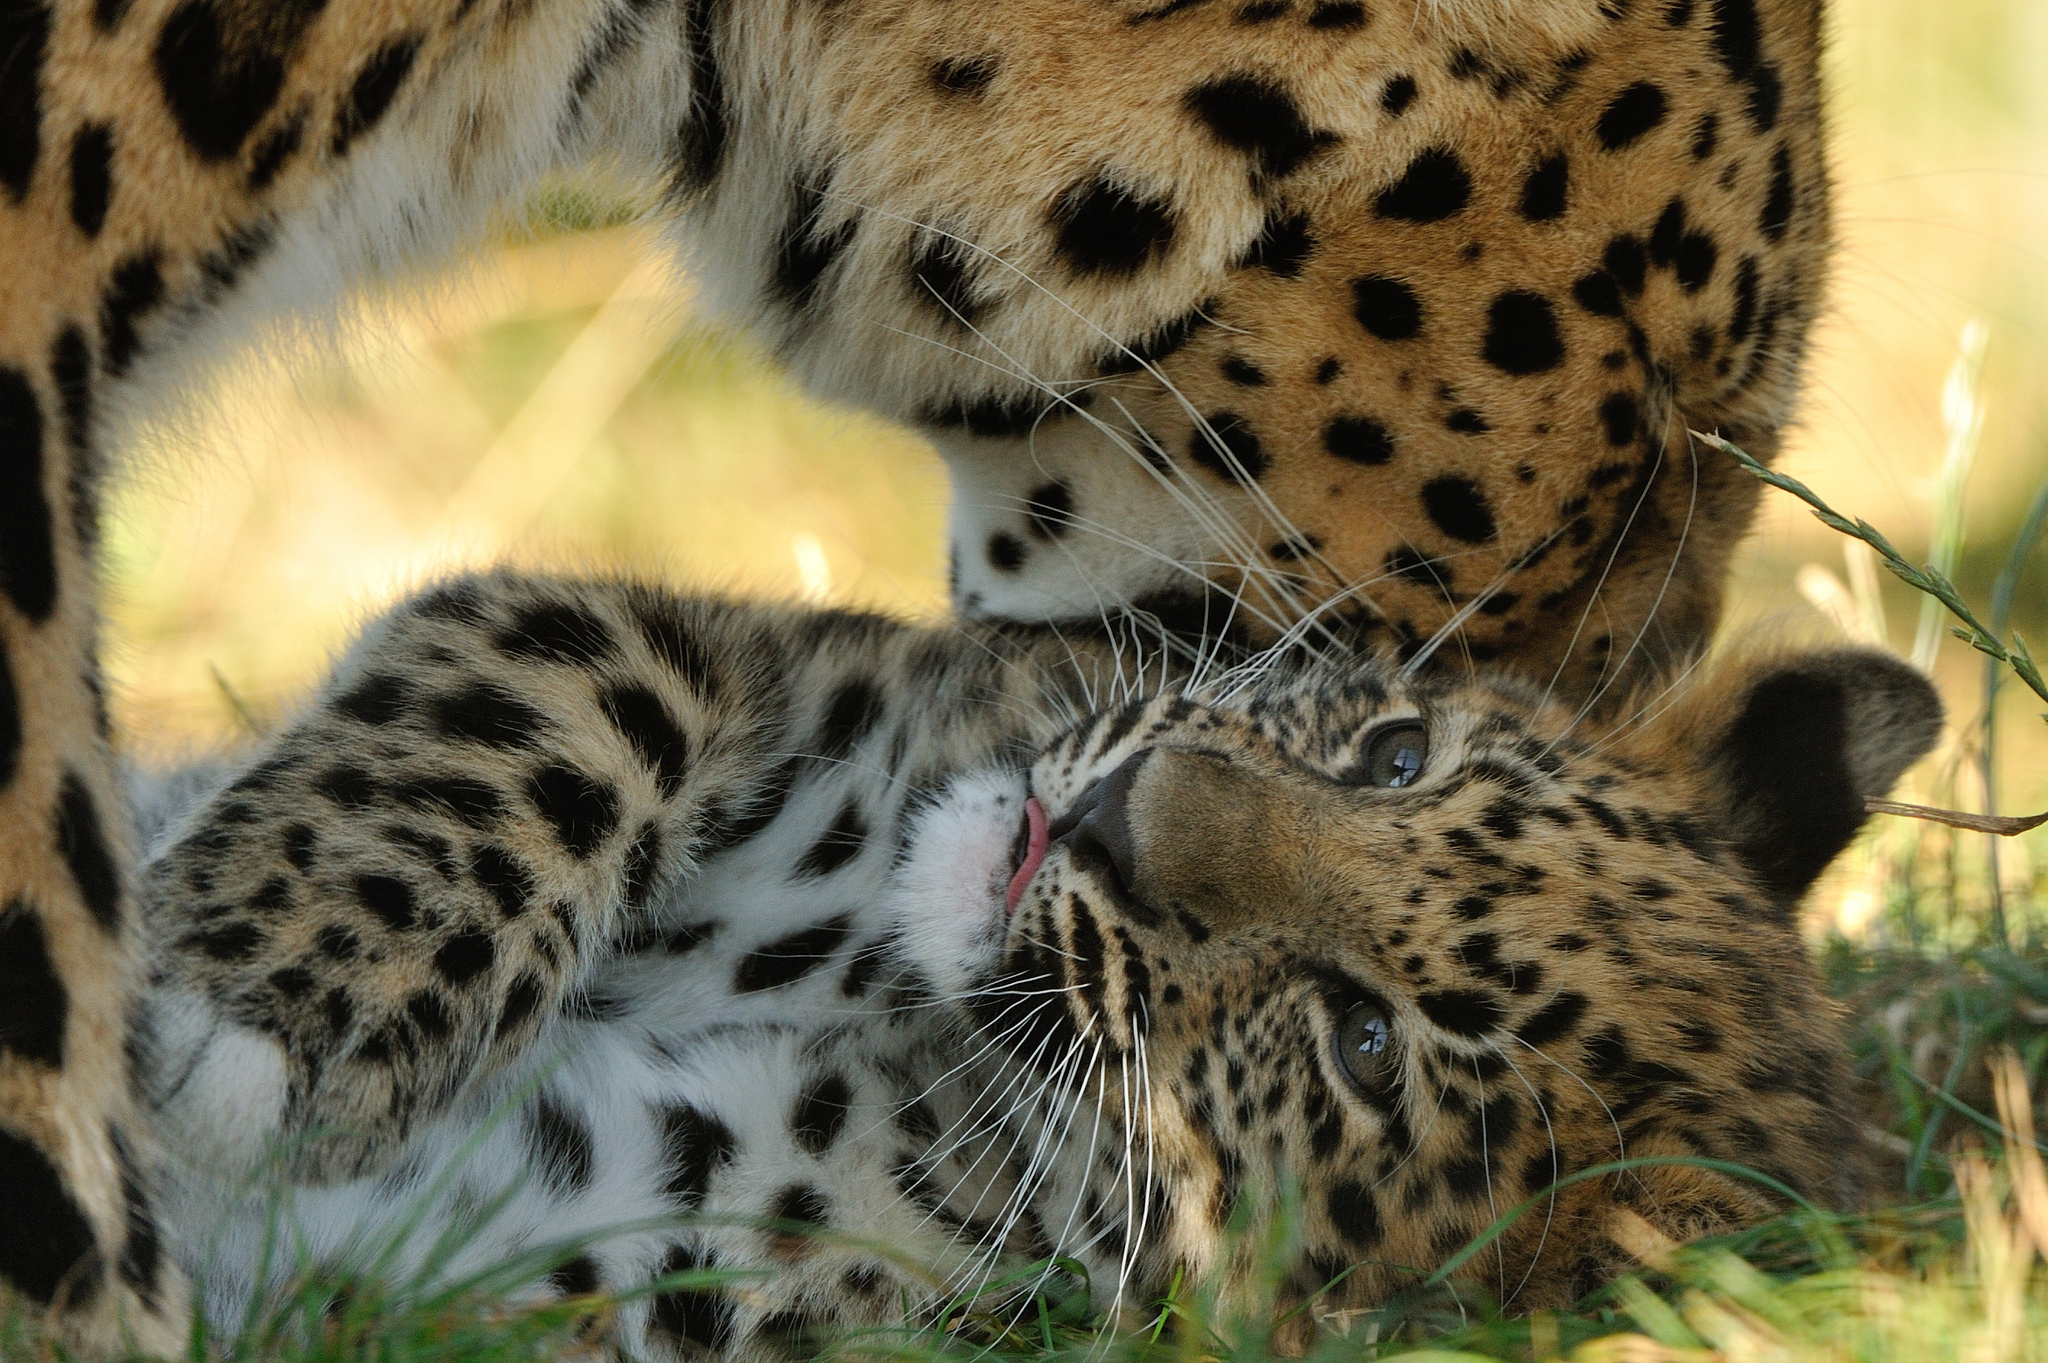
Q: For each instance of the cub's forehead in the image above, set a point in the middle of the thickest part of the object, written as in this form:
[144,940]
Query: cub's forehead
[1308,707]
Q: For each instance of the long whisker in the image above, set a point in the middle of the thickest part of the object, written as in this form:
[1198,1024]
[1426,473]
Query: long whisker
[1606,569]
[1556,1169]
[1457,622]
[993,1238]
[992,1241]
[1670,570]
[1039,1166]
[1620,1141]
[1416,1139]
[992,1101]
[1500,1263]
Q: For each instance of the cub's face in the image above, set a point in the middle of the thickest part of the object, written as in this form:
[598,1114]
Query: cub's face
[1413,952]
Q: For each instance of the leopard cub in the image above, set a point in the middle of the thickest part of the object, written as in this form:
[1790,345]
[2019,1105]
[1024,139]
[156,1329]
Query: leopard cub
[642,932]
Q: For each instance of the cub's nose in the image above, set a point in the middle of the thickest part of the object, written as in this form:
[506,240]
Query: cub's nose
[1097,831]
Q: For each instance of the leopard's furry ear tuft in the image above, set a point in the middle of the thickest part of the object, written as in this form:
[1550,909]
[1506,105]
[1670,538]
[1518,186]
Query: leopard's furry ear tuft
[1793,744]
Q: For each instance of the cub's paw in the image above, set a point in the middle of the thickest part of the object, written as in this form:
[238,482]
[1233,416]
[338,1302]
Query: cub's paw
[318,995]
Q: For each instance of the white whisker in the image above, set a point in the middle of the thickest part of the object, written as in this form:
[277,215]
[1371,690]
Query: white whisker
[1550,1207]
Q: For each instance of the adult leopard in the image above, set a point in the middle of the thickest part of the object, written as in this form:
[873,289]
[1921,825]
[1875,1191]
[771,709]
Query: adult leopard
[867,963]
[1226,310]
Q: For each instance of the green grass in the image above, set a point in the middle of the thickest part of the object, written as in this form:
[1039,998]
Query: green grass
[1930,581]
[1920,1275]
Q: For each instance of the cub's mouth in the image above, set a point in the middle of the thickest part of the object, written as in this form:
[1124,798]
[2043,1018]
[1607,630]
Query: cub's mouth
[1027,853]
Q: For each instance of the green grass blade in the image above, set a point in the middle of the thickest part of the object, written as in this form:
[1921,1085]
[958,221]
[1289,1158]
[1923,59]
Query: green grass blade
[1928,580]
[1537,1199]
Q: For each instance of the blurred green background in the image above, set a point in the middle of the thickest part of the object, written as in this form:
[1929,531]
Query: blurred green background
[558,402]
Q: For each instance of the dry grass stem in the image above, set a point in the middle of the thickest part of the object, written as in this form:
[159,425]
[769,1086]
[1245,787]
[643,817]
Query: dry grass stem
[2007,826]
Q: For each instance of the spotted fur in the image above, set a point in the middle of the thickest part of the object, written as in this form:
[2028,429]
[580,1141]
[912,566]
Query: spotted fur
[1219,312]
[675,932]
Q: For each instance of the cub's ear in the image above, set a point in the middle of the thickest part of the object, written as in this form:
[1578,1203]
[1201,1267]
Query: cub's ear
[1794,745]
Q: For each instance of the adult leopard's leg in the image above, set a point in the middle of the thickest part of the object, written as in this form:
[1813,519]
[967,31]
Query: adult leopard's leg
[77,1229]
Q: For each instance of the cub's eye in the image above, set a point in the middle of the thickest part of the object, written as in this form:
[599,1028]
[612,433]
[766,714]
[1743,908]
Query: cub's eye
[1395,755]
[1365,1047]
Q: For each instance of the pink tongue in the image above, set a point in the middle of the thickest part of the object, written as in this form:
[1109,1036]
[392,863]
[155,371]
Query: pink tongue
[1034,853]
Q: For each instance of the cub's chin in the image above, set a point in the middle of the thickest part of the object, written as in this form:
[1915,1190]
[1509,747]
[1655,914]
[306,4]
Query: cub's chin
[952,890]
